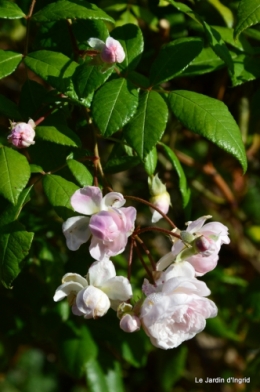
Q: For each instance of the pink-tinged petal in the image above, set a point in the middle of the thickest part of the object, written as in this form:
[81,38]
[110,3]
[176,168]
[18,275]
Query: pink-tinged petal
[96,43]
[203,264]
[217,229]
[130,217]
[112,199]
[148,288]
[100,250]
[113,51]
[183,268]
[65,289]
[76,231]
[177,247]
[129,323]
[161,201]
[87,200]
[97,249]
[76,311]
[106,225]
[165,261]
[101,271]
[195,226]
[73,277]
[118,288]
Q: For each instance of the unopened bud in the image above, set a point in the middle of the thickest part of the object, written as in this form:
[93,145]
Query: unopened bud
[130,323]
[202,244]
[160,197]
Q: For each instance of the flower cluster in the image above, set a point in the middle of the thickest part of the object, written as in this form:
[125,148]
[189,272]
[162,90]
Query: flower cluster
[174,306]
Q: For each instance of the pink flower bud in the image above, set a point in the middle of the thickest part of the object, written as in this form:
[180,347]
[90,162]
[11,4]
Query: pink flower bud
[130,323]
[111,51]
[160,197]
[22,134]
[203,244]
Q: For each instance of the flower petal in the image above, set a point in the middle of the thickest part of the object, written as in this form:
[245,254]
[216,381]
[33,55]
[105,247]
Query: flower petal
[195,226]
[73,277]
[112,199]
[96,43]
[92,302]
[65,289]
[76,231]
[101,271]
[87,200]
[118,288]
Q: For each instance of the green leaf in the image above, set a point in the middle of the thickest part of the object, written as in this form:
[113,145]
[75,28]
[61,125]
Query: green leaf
[9,109]
[218,45]
[148,125]
[172,367]
[12,212]
[10,10]
[70,9]
[173,58]
[217,327]
[210,118]
[76,348]
[96,380]
[59,192]
[116,165]
[60,135]
[207,61]
[15,243]
[248,15]
[118,100]
[186,10]
[150,162]
[15,173]
[224,11]
[114,378]
[88,78]
[31,98]
[80,172]
[184,189]
[9,61]
[131,38]
[246,68]
[55,68]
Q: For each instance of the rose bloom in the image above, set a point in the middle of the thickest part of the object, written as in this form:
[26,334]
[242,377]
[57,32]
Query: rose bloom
[22,134]
[110,225]
[111,51]
[176,310]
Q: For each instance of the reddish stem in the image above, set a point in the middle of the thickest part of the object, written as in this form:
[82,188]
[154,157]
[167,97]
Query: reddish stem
[146,250]
[143,262]
[151,228]
[152,206]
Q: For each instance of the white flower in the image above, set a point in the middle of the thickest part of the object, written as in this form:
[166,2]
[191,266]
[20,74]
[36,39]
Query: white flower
[93,296]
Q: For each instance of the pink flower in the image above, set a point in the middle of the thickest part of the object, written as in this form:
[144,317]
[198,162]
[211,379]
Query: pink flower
[205,241]
[22,134]
[111,51]
[109,224]
[176,310]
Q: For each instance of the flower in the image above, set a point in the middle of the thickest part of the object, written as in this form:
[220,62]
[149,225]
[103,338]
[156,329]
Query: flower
[94,295]
[204,242]
[176,310]
[160,197]
[109,224]
[111,51]
[22,134]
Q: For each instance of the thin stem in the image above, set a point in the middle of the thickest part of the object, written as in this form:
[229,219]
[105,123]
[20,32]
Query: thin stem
[143,262]
[151,228]
[28,17]
[130,259]
[73,40]
[42,118]
[141,242]
[152,206]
